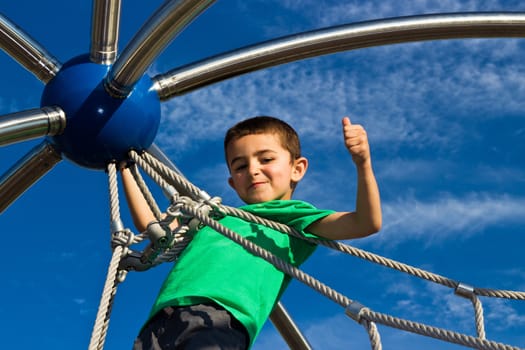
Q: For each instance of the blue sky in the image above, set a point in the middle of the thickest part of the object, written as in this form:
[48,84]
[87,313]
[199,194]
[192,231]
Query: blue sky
[446,126]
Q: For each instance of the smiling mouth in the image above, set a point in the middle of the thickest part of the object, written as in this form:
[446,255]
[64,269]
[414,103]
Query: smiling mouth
[256,184]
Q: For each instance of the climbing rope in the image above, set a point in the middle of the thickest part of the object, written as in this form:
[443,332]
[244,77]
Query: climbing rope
[194,207]
[362,313]
[100,328]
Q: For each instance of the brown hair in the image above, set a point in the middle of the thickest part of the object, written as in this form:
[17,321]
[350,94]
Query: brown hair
[266,125]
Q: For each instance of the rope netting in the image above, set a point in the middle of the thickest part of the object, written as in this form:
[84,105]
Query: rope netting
[193,207]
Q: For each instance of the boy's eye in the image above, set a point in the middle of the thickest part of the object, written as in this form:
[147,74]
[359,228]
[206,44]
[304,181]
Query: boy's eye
[266,160]
[239,167]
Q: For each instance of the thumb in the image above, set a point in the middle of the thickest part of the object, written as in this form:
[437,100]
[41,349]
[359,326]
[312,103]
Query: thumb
[346,121]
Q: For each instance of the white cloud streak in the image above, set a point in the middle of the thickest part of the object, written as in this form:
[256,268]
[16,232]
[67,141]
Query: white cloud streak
[401,101]
[421,302]
[329,12]
[447,216]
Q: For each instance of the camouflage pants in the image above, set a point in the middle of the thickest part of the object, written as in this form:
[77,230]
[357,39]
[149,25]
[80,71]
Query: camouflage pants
[196,327]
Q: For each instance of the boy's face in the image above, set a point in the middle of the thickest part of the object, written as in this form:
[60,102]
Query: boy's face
[261,169]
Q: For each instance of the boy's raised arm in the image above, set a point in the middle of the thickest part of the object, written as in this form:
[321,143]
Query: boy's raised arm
[138,207]
[367,217]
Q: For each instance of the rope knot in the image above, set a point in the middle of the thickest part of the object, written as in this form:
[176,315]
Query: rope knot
[123,238]
[215,205]
[209,207]
[120,236]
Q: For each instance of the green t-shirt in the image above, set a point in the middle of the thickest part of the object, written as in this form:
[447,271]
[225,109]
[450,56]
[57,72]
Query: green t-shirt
[212,267]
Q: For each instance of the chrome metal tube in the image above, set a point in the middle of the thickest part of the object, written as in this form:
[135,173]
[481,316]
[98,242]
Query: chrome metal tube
[169,20]
[31,124]
[288,329]
[26,51]
[104,31]
[28,170]
[155,151]
[336,39]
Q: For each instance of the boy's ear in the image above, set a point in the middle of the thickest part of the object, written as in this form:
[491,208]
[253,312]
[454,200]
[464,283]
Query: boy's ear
[300,165]
[230,182]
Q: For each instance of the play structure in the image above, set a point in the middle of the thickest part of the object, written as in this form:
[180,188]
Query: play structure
[100,109]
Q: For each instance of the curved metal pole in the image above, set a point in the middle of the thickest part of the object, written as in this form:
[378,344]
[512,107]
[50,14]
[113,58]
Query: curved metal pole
[26,51]
[28,170]
[336,39]
[169,20]
[288,329]
[155,151]
[30,124]
[104,31]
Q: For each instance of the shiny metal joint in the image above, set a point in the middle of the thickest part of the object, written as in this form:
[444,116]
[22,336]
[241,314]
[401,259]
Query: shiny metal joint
[166,23]
[464,290]
[30,124]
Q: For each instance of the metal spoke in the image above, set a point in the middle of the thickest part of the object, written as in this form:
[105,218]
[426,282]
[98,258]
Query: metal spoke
[28,170]
[155,151]
[30,124]
[337,39]
[160,155]
[288,329]
[21,47]
[104,31]
[168,21]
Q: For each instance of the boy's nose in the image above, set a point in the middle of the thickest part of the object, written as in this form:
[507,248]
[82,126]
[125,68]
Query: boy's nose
[254,168]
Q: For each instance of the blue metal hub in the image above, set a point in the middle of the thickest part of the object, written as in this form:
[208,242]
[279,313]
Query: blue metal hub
[99,127]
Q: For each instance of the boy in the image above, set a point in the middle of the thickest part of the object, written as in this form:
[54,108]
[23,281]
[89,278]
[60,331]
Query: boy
[218,296]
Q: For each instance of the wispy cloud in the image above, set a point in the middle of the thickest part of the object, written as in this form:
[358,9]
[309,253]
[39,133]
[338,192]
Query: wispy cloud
[269,339]
[336,333]
[501,315]
[408,298]
[340,332]
[438,306]
[311,99]
[414,170]
[443,218]
[415,95]
[331,11]
[9,106]
[496,175]
[332,333]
